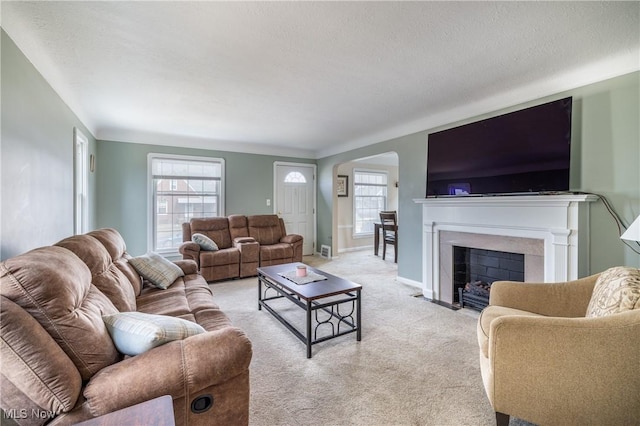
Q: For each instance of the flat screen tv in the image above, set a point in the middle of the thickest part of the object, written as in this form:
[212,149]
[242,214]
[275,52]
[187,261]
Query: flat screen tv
[526,151]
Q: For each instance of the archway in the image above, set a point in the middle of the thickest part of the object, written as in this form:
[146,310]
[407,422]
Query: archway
[352,213]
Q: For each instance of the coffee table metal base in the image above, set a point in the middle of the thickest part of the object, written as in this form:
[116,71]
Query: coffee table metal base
[340,319]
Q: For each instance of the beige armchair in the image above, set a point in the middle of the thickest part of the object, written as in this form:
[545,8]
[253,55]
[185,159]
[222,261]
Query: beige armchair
[544,361]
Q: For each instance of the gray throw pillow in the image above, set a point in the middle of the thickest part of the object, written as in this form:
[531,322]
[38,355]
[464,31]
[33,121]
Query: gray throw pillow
[204,242]
[159,271]
[135,332]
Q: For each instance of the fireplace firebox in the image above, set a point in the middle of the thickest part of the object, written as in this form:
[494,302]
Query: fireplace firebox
[474,270]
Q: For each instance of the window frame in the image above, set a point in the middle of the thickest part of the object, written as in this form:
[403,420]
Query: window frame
[80,182]
[152,213]
[356,197]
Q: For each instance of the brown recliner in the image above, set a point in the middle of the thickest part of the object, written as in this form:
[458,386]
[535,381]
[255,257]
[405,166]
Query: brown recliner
[276,246]
[59,364]
[244,242]
[237,255]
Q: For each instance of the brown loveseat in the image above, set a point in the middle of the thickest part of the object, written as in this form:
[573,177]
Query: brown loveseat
[244,243]
[60,365]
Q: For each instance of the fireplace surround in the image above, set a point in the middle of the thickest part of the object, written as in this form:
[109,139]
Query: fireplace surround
[552,231]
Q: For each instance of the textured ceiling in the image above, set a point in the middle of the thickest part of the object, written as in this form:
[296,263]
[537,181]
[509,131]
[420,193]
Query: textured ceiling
[312,78]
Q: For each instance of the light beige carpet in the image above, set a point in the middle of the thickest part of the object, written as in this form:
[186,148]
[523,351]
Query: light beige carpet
[417,363]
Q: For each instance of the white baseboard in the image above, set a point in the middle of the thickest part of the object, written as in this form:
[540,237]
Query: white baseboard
[409,282]
[350,249]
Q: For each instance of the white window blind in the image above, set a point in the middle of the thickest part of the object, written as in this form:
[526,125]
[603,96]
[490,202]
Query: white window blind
[182,188]
[370,197]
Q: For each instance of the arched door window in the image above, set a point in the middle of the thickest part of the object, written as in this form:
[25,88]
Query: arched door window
[295,177]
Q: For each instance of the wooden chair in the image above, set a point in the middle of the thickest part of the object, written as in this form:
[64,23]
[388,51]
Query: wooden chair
[389,222]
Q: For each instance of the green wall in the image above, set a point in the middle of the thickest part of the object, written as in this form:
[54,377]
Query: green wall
[122,185]
[36,183]
[610,161]
[605,159]
[37,169]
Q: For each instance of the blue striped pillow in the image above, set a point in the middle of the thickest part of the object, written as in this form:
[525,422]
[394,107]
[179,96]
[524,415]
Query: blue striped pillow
[136,332]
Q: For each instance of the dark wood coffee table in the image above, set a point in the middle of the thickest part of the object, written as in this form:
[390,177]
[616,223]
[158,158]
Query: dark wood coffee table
[331,296]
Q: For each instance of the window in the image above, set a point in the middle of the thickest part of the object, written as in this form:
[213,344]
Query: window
[162,205]
[370,197]
[182,187]
[295,177]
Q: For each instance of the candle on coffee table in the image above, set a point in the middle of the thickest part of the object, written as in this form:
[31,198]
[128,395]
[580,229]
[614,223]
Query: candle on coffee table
[301,271]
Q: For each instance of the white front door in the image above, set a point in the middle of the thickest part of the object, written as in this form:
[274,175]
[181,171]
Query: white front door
[295,200]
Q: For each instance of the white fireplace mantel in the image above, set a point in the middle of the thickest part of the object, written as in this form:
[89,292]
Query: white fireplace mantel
[560,221]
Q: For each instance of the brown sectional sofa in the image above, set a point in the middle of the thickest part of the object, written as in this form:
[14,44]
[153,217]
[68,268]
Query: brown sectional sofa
[60,365]
[244,243]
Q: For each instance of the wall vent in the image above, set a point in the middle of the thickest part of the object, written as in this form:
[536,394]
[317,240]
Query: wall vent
[325,251]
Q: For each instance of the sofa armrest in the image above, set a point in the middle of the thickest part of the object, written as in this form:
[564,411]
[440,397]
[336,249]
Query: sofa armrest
[291,238]
[179,368]
[190,250]
[567,299]
[582,366]
[249,249]
[243,240]
[188,266]
[296,243]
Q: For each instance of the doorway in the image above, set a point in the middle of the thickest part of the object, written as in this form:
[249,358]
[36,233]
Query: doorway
[295,198]
[351,210]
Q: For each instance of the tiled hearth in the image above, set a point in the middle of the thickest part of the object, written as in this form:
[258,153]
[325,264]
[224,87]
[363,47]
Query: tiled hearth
[552,231]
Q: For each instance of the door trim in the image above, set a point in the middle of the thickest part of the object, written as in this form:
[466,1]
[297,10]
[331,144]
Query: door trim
[315,187]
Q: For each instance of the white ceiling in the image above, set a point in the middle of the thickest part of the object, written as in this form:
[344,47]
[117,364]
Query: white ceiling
[311,78]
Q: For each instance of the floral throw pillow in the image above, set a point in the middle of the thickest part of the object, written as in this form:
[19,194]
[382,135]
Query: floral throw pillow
[616,290]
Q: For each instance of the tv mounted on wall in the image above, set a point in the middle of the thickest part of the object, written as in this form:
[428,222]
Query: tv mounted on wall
[526,151]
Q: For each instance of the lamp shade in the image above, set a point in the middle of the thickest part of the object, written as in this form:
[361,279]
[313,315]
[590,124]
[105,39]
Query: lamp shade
[633,231]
